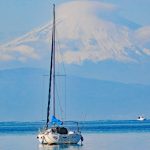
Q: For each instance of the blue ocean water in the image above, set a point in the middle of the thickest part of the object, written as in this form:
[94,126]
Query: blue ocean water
[103,134]
[102,126]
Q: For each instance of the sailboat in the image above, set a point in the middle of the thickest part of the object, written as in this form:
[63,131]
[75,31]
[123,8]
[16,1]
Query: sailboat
[57,133]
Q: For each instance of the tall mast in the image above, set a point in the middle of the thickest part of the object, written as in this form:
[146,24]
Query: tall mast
[52,72]
[53,59]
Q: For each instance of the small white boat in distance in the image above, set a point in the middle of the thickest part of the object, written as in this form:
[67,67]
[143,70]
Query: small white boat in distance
[141,118]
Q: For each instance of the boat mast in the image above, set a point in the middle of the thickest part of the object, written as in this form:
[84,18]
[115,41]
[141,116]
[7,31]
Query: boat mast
[52,71]
[54,60]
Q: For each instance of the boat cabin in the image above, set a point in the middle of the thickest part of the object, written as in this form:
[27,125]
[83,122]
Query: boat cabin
[59,130]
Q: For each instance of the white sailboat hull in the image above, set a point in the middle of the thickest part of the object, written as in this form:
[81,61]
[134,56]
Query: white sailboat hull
[55,138]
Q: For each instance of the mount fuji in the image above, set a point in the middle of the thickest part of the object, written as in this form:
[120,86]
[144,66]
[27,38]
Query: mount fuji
[102,52]
[93,37]
[86,31]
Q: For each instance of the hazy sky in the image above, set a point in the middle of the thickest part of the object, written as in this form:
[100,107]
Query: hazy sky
[135,10]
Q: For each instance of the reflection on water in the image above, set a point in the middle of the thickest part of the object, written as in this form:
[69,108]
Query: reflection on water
[60,147]
[119,141]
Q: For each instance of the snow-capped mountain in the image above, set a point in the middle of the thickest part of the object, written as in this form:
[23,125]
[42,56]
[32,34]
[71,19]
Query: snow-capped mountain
[84,33]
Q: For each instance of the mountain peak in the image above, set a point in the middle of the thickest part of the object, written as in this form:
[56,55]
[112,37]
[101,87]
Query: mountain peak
[83,34]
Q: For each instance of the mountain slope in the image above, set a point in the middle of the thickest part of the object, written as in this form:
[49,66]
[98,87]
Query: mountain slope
[23,96]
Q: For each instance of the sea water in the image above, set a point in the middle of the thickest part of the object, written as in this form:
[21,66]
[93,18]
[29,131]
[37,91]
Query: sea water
[98,135]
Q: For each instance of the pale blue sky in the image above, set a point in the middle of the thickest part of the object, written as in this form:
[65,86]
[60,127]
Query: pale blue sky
[135,10]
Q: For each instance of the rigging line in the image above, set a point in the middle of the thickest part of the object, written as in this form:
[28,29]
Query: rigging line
[65,98]
[59,102]
[59,92]
[61,54]
[43,97]
[63,64]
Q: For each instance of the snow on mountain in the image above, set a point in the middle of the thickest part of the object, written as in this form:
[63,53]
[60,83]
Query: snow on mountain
[84,34]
